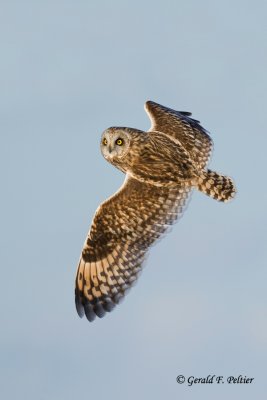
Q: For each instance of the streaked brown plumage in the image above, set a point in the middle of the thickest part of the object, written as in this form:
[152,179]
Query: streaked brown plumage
[161,166]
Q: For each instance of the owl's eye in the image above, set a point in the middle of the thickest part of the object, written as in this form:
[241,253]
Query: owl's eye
[119,142]
[105,142]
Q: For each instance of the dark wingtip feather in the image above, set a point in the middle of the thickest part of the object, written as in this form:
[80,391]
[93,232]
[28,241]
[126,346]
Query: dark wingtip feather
[187,113]
[78,304]
[108,305]
[99,310]
[95,309]
[89,311]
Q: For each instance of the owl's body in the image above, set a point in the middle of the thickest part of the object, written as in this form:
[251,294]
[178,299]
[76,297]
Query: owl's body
[161,166]
[154,158]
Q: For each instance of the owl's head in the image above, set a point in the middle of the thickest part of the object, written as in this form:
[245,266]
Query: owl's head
[115,143]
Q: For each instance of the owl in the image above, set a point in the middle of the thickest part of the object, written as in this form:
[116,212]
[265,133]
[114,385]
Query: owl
[162,166]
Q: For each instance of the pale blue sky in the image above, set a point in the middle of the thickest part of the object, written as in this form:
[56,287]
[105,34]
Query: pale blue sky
[70,69]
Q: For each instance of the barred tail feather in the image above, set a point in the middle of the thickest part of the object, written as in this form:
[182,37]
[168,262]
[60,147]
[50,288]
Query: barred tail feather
[217,186]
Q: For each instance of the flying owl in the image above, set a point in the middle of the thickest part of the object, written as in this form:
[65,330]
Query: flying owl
[162,166]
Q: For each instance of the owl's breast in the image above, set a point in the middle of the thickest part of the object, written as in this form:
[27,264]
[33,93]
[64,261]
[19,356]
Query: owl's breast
[120,164]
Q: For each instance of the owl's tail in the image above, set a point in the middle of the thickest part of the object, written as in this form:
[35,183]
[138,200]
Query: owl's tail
[217,186]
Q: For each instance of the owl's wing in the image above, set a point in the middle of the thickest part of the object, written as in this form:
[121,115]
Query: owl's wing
[123,229]
[188,131]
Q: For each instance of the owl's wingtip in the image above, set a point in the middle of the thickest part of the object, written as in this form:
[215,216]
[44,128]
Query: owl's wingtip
[78,304]
[149,103]
[150,107]
[146,105]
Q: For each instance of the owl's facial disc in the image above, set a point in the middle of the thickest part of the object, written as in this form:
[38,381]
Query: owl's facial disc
[114,143]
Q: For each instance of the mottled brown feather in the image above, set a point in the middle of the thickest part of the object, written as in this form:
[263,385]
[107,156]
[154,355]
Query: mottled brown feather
[123,229]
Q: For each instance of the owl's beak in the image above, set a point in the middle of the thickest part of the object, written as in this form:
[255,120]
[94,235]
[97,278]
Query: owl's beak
[109,149]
